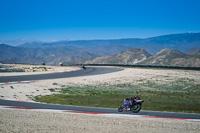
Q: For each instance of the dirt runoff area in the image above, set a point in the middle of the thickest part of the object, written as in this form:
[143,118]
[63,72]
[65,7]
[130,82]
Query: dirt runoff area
[36,121]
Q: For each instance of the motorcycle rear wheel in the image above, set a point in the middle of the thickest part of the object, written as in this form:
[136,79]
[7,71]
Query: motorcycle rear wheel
[136,108]
[120,109]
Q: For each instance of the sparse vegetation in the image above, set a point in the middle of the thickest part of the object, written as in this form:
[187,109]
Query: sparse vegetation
[15,96]
[55,83]
[52,90]
[9,68]
[30,96]
[39,68]
[182,96]
[29,68]
[62,86]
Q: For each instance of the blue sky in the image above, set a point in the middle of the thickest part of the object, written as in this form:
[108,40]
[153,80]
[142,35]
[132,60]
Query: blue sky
[50,20]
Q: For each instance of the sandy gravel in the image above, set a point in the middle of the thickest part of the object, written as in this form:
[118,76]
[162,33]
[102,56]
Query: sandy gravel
[35,69]
[26,91]
[35,121]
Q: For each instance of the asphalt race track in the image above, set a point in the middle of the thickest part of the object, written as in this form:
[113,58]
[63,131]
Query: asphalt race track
[84,72]
[30,105]
[88,71]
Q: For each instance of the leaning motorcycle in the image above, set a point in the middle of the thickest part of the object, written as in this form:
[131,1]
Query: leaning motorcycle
[83,67]
[135,106]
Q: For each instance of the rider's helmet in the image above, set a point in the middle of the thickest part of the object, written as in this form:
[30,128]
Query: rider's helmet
[135,97]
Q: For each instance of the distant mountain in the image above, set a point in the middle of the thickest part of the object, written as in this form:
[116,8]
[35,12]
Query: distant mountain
[81,50]
[174,58]
[131,56]
[140,56]
[196,53]
[15,42]
[165,57]
[69,58]
[34,44]
[25,60]
[193,50]
[9,52]
[52,60]
[182,42]
[50,55]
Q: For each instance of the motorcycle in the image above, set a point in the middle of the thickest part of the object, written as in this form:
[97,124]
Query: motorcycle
[135,105]
[83,67]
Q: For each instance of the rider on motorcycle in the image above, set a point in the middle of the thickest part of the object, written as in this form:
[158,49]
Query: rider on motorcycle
[129,101]
[134,103]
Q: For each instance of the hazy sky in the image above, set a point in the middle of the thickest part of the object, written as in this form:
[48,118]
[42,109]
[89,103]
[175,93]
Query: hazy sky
[96,19]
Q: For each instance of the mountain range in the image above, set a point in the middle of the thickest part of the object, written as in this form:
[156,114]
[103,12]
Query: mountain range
[132,56]
[174,58]
[152,45]
[140,56]
[132,51]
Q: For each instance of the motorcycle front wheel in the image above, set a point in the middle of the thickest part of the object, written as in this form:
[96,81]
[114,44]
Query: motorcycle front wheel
[136,108]
[120,109]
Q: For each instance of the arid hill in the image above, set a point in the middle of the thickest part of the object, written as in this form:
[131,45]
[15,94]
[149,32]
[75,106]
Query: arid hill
[140,56]
[174,58]
[132,56]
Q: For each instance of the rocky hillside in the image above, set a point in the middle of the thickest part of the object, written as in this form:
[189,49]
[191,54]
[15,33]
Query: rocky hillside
[132,56]
[193,50]
[174,58]
[165,57]
[140,56]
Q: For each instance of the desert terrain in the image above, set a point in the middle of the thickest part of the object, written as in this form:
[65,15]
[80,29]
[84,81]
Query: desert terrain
[36,121]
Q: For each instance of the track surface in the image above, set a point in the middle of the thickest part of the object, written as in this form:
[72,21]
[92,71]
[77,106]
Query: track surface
[88,71]
[30,105]
[84,72]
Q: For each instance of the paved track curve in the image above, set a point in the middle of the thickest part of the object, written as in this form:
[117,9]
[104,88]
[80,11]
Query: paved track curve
[84,72]
[88,71]
[31,105]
